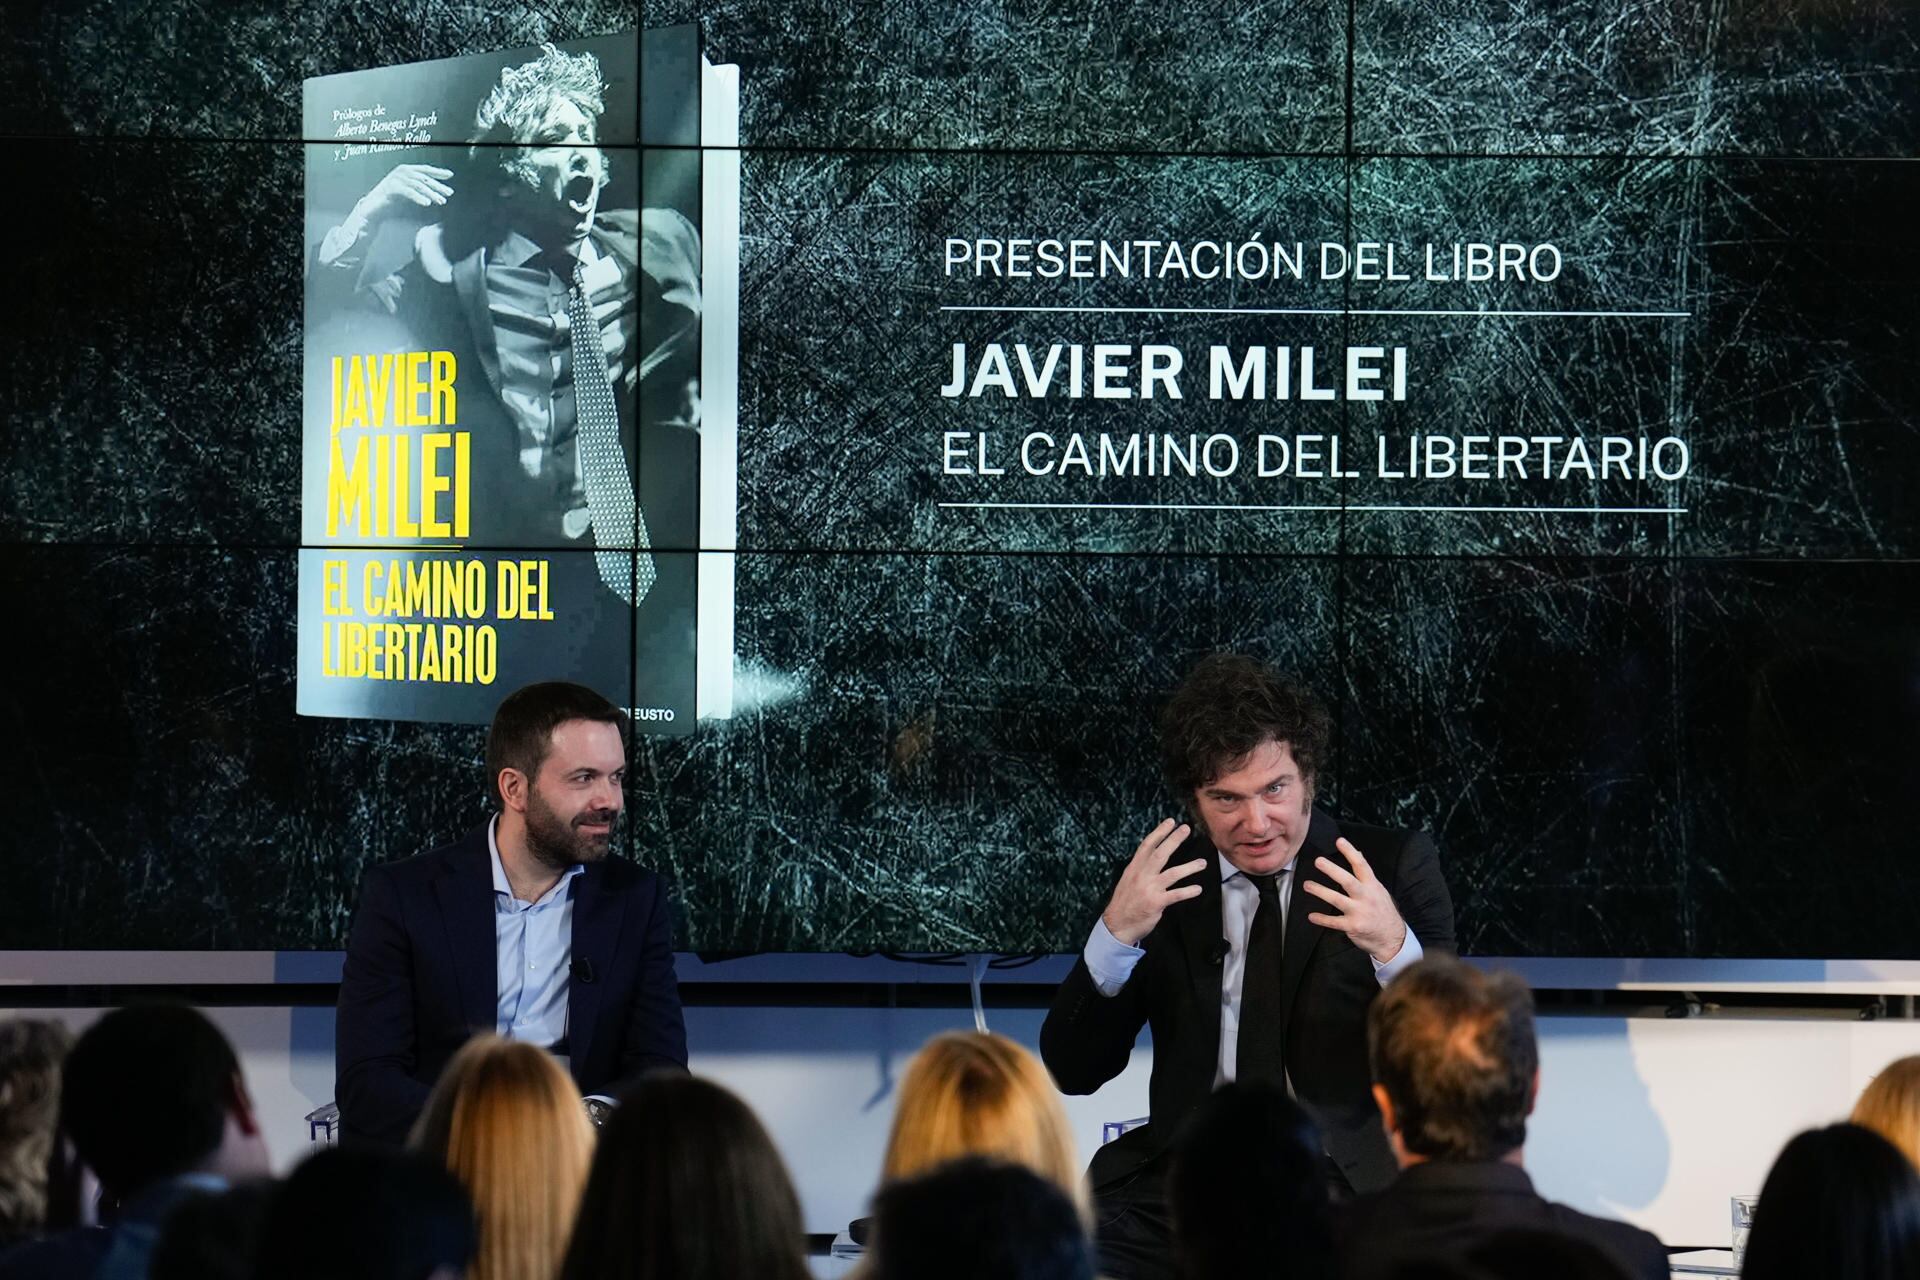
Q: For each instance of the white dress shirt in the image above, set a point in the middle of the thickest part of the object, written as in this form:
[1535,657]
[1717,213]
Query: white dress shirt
[1111,961]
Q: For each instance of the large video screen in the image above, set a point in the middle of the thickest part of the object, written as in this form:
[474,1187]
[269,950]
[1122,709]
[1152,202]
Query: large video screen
[1539,382]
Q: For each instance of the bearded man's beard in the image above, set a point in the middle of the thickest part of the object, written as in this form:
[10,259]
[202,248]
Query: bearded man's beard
[558,844]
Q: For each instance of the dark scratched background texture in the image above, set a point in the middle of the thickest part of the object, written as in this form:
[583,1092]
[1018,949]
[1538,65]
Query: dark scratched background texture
[1689,736]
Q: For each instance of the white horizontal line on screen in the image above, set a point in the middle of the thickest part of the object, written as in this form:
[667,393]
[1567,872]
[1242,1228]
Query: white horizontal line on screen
[1228,506]
[1334,311]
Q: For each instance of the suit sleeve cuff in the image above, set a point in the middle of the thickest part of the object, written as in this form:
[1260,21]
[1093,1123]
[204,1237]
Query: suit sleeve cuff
[1410,952]
[341,240]
[1111,961]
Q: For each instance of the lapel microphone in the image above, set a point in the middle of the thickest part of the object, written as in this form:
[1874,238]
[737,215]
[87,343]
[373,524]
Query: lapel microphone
[1217,953]
[582,970]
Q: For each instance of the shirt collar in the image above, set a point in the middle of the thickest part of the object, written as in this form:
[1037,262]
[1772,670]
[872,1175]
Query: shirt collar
[519,250]
[1466,1175]
[1228,871]
[500,882]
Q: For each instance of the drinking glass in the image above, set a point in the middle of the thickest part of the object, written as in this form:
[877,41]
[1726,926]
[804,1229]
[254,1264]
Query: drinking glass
[1743,1207]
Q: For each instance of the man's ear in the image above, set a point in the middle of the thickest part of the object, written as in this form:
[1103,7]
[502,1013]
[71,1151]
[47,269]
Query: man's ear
[512,786]
[1533,1091]
[240,1107]
[1381,1100]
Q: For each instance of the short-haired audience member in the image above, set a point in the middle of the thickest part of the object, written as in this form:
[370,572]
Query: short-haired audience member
[366,1213]
[1247,1186]
[152,1098]
[31,1051]
[1841,1203]
[213,1236]
[1890,1106]
[686,1185]
[529,925]
[1456,1069]
[505,1120]
[979,1219]
[974,1093]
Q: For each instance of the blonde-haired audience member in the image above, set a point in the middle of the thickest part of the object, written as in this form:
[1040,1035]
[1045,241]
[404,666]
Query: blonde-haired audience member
[1890,1106]
[506,1121]
[974,1093]
[31,1052]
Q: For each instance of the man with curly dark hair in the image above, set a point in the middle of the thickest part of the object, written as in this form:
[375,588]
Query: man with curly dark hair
[1251,937]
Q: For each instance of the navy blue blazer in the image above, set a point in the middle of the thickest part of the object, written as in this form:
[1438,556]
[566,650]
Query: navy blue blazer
[421,978]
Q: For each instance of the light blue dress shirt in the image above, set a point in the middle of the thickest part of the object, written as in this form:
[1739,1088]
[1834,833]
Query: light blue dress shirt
[533,945]
[1111,961]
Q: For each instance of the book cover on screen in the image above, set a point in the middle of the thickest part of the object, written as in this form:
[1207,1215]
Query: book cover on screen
[504,447]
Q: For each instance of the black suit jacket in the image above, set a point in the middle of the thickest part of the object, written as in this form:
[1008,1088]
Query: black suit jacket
[442,301]
[1442,1207]
[422,977]
[1326,985]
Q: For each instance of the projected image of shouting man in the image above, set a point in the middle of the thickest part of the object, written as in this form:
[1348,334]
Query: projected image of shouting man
[1251,936]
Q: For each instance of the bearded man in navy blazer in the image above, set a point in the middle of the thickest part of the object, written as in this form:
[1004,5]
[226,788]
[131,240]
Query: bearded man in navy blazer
[527,927]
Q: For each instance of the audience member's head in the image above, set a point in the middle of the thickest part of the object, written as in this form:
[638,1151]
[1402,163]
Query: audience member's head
[1247,1186]
[507,1121]
[973,1093]
[212,1235]
[1519,1253]
[367,1213]
[150,1092]
[30,1055]
[1842,1203]
[1891,1106]
[686,1185]
[1455,1065]
[978,1219]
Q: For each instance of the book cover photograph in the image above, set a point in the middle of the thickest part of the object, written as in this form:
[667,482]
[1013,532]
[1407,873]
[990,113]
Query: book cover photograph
[502,405]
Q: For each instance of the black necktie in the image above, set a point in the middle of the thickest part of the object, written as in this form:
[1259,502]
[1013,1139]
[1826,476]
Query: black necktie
[1262,1052]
